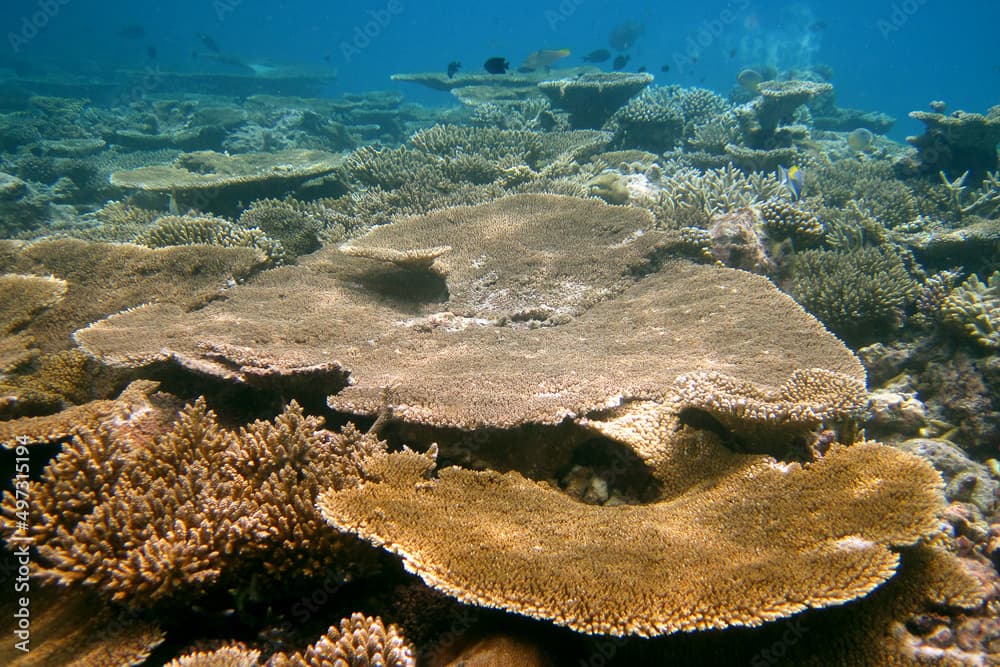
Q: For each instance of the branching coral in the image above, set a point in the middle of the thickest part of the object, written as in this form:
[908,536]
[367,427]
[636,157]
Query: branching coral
[784,220]
[710,193]
[141,518]
[975,307]
[181,230]
[292,223]
[360,641]
[855,292]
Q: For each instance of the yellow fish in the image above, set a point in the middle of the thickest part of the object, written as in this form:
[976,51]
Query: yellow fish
[542,59]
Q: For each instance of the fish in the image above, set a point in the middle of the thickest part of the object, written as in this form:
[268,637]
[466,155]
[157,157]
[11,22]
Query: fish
[793,179]
[624,35]
[749,79]
[620,62]
[151,52]
[542,59]
[817,26]
[860,140]
[597,56]
[664,68]
[642,68]
[732,54]
[453,67]
[496,65]
[209,43]
[132,31]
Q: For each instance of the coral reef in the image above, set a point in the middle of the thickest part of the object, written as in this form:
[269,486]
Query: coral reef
[591,99]
[856,293]
[184,230]
[517,543]
[958,142]
[142,517]
[359,641]
[975,307]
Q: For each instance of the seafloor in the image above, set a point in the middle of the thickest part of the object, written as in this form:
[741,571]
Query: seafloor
[579,371]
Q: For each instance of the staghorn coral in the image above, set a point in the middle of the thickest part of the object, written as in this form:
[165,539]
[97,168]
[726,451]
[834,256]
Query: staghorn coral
[652,120]
[182,230]
[359,641]
[974,306]
[855,293]
[295,224]
[591,99]
[141,517]
[984,201]
[869,185]
[740,540]
[784,220]
[690,195]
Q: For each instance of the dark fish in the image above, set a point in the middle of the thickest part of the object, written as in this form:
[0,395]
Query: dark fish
[132,31]
[642,68]
[598,56]
[328,59]
[208,42]
[496,65]
[620,62]
[732,54]
[151,52]
[665,68]
[453,67]
[624,35]
[818,26]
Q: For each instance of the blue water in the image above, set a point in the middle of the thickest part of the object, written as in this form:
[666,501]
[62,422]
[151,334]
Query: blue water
[893,56]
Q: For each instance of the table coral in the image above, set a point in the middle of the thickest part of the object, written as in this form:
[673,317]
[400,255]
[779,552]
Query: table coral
[591,99]
[740,540]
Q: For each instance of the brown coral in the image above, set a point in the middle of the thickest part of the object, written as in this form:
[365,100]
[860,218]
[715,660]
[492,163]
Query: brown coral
[359,641]
[469,351]
[735,539]
[141,516]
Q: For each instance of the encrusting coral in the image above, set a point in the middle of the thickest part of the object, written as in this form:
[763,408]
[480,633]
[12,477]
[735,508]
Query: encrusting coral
[143,516]
[359,641]
[734,539]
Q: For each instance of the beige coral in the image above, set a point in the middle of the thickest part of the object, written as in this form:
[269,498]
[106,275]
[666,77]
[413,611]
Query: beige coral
[737,540]
[141,516]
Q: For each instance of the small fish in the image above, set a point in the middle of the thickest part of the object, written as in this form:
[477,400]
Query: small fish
[665,68]
[496,65]
[151,52]
[860,140]
[793,179]
[208,42]
[732,54]
[453,67]
[542,59]
[620,62]
[624,35]
[817,26]
[749,79]
[642,68]
[132,31]
[598,56]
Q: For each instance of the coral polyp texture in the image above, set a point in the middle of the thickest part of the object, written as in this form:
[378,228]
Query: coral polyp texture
[544,309]
[742,541]
[359,641]
[141,516]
